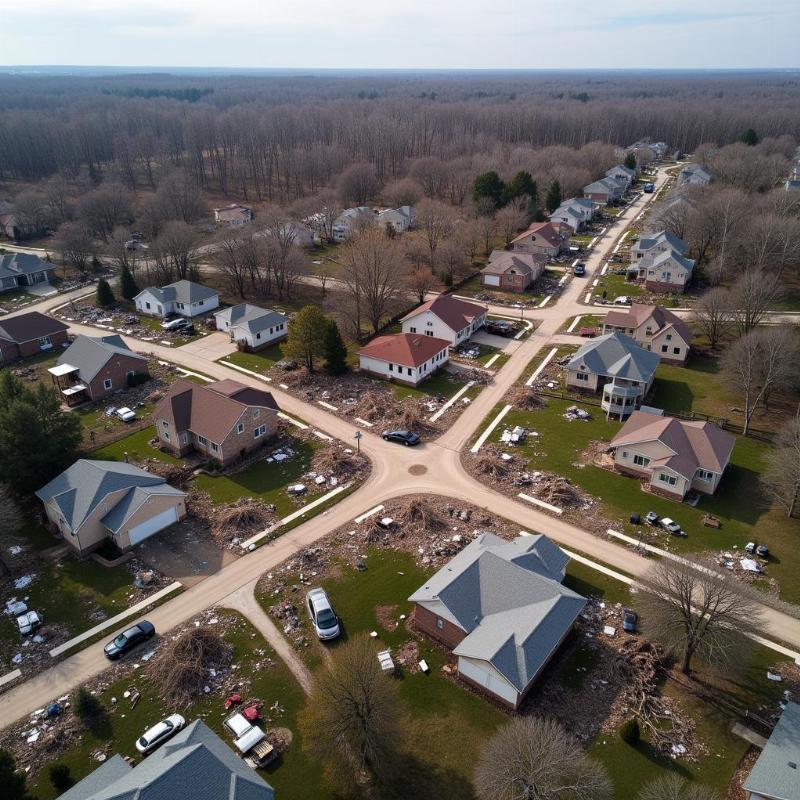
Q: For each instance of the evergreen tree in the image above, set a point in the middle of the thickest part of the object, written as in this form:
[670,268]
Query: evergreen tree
[305,342]
[553,196]
[523,185]
[61,778]
[12,781]
[630,160]
[488,185]
[105,297]
[127,283]
[750,137]
[334,350]
[87,706]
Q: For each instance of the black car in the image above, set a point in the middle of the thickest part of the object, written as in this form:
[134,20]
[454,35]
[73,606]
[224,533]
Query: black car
[580,270]
[128,639]
[408,438]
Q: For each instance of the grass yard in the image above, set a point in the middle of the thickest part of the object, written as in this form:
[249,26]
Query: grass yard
[586,321]
[293,775]
[739,502]
[616,286]
[137,446]
[473,288]
[441,384]
[17,298]
[258,362]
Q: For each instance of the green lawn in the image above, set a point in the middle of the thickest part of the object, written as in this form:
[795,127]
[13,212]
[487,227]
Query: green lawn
[441,384]
[17,298]
[473,287]
[259,362]
[293,775]
[616,286]
[739,502]
[137,446]
[587,321]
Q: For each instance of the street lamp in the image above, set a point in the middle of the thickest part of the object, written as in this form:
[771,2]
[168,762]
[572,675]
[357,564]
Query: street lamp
[357,436]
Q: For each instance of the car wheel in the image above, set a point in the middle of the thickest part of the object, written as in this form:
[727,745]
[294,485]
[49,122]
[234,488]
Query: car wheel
[407,444]
[385,438]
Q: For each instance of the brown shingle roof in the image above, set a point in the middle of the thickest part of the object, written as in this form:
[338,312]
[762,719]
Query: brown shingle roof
[27,327]
[407,349]
[212,410]
[545,230]
[640,312]
[501,261]
[455,313]
[697,445]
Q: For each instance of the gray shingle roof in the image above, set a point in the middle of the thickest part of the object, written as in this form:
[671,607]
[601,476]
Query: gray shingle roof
[650,240]
[181,292]
[508,598]
[672,255]
[772,775]
[79,489]
[90,354]
[13,264]
[133,501]
[252,318]
[618,356]
[194,765]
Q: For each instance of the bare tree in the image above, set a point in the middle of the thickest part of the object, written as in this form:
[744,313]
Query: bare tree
[76,245]
[105,209]
[532,758]
[781,478]
[485,225]
[357,184]
[31,213]
[121,253]
[696,611]
[350,717]
[511,219]
[402,192]
[420,281]
[673,787]
[714,315]
[759,363]
[179,198]
[10,524]
[173,253]
[752,295]
[434,221]
[231,258]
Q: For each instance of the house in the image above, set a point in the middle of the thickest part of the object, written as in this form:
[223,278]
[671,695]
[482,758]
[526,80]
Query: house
[542,239]
[401,219]
[792,185]
[28,334]
[296,233]
[92,368]
[92,501]
[192,765]
[775,776]
[618,368]
[350,221]
[224,420]
[573,217]
[694,175]
[668,272]
[407,358]
[674,456]
[252,326]
[605,190]
[655,328]
[647,151]
[8,224]
[233,216]
[185,298]
[512,272]
[501,608]
[446,317]
[622,173]
[23,269]
[652,244]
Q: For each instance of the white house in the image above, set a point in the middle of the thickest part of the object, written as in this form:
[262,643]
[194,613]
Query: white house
[572,216]
[252,326]
[404,357]
[351,220]
[622,173]
[694,175]
[401,219]
[446,317]
[233,216]
[185,298]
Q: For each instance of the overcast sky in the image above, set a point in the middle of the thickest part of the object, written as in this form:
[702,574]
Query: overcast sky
[407,34]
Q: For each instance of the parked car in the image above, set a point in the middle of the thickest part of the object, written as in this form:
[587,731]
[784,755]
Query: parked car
[249,739]
[175,324]
[651,518]
[750,547]
[580,270]
[28,622]
[128,639]
[326,623]
[408,438]
[649,188]
[499,327]
[622,300]
[126,414]
[156,736]
[630,620]
[670,525]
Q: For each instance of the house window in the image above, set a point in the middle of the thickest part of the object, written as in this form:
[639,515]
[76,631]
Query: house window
[676,351]
[429,333]
[166,435]
[391,367]
[669,337]
[256,413]
[240,428]
[201,302]
[409,370]
[185,438]
[670,480]
[439,623]
[147,306]
[259,432]
[624,453]
[664,348]
[581,376]
[704,475]
[214,447]
[429,324]
[202,440]
[413,330]
[641,461]
[107,384]
[44,342]
[258,335]
[165,424]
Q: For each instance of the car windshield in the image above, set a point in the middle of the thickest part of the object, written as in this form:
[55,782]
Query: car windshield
[326,618]
[120,640]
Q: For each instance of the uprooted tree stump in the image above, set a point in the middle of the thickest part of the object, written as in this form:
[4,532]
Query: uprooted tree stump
[180,670]
[416,512]
[244,515]
[334,461]
[525,398]
[489,463]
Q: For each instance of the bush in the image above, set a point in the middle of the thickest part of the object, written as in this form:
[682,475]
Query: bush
[87,706]
[105,297]
[629,731]
[60,777]
[137,379]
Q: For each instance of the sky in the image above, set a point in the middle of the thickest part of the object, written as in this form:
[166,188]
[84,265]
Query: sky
[410,34]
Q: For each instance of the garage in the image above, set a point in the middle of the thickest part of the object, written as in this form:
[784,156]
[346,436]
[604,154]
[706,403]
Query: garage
[484,675]
[491,280]
[153,525]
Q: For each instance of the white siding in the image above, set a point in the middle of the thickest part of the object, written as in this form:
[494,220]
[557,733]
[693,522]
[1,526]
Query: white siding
[401,373]
[484,674]
[428,323]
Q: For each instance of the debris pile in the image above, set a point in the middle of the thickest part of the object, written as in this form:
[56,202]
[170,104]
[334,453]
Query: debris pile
[574,413]
[525,398]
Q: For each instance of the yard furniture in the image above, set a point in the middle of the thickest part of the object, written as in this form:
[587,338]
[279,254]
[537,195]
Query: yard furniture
[710,521]
[385,660]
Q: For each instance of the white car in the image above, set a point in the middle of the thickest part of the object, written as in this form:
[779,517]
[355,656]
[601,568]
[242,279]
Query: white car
[126,414]
[158,734]
[28,622]
[670,525]
[175,324]
[326,623]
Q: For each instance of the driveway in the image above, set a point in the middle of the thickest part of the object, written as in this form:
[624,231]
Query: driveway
[490,340]
[211,347]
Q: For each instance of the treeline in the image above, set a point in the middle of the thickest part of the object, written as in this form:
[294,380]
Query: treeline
[281,138]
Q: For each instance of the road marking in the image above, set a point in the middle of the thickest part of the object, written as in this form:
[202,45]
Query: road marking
[322,435]
[545,301]
[588,297]
[359,519]
[247,371]
[605,269]
[564,279]
[592,243]
[491,360]
[455,397]
[537,502]
[10,676]
[327,405]
[574,324]
[293,421]
[595,282]
[538,370]
[363,422]
[283,386]
[492,425]
[113,621]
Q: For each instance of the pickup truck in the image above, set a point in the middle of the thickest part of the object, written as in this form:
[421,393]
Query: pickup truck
[249,740]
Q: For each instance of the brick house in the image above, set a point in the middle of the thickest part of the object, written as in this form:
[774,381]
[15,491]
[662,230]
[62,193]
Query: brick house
[28,334]
[655,328]
[92,368]
[512,272]
[542,239]
[224,420]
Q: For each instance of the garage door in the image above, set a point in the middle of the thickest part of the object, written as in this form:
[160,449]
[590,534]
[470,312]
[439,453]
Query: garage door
[491,280]
[153,525]
[484,677]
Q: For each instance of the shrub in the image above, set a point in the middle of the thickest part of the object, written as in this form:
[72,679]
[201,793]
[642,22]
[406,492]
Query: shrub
[87,706]
[61,778]
[137,379]
[629,731]
[105,296]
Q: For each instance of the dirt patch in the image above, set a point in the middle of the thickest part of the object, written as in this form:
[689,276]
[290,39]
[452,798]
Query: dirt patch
[280,739]
[407,655]
[387,617]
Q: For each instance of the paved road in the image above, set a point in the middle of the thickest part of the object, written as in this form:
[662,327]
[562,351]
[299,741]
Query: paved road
[433,468]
